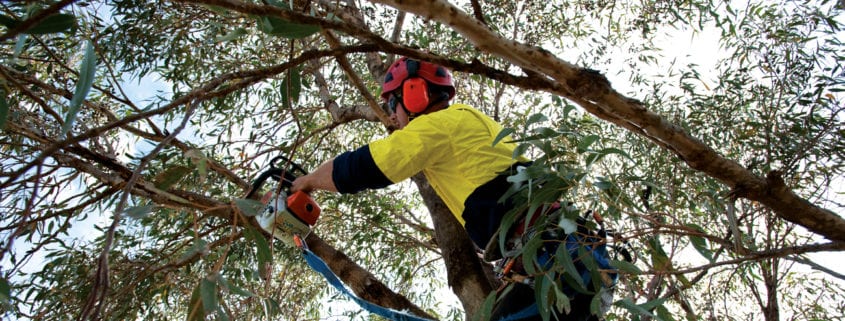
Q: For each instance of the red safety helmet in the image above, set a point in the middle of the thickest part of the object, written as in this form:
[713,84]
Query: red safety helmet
[414,77]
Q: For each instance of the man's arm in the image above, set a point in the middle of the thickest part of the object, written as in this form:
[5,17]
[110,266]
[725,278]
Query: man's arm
[320,179]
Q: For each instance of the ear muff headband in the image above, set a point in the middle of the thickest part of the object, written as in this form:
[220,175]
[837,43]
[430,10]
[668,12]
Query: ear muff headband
[415,95]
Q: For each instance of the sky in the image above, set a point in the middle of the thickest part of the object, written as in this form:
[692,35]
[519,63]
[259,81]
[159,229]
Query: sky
[697,48]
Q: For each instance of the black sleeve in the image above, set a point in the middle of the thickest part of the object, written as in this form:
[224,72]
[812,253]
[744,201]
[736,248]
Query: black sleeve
[356,171]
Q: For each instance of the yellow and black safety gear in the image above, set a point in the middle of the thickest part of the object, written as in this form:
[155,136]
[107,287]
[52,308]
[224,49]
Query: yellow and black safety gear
[454,148]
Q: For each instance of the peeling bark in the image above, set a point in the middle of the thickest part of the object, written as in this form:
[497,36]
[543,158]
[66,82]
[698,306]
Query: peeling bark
[593,92]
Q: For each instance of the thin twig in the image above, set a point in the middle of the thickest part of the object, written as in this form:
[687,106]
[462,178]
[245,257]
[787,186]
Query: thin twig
[40,16]
[101,281]
[761,255]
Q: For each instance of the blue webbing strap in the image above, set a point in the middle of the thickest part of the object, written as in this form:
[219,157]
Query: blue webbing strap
[316,263]
[529,311]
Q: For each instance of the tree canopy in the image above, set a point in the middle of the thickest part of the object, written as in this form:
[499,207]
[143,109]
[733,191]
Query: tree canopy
[708,134]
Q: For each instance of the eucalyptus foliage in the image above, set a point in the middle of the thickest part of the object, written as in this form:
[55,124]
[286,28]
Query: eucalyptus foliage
[130,132]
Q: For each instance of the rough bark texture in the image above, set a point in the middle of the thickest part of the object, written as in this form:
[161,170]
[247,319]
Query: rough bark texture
[593,92]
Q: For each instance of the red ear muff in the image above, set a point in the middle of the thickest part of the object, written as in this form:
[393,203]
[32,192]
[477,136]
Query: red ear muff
[415,95]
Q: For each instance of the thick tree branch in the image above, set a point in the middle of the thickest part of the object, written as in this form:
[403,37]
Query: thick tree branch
[350,272]
[239,79]
[361,281]
[592,91]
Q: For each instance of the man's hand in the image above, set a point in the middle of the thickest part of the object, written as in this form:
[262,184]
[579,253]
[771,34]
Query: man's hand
[320,179]
[302,183]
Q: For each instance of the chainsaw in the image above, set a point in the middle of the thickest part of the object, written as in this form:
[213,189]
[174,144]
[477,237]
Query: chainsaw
[289,218]
[287,215]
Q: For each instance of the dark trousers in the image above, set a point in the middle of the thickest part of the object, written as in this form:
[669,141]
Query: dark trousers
[522,296]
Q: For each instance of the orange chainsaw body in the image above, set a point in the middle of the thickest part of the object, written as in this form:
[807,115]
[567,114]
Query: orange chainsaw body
[304,207]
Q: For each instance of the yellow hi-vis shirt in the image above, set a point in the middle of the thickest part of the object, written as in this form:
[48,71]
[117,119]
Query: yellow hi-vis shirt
[453,147]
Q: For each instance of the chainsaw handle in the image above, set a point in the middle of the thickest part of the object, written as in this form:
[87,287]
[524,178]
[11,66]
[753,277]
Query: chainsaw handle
[279,174]
[293,167]
[259,182]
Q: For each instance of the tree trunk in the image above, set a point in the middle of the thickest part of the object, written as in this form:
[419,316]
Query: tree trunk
[464,269]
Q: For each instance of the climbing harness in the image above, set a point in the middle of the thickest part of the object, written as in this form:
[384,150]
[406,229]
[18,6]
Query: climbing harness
[289,219]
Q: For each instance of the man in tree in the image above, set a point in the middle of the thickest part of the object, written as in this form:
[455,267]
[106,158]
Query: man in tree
[452,144]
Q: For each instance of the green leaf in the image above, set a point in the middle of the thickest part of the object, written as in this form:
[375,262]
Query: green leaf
[625,266]
[598,155]
[199,160]
[86,80]
[196,312]
[4,110]
[653,303]
[286,29]
[632,307]
[199,246]
[486,309]
[562,302]
[233,288]
[664,314]
[249,207]
[542,285]
[603,184]
[208,291]
[280,3]
[567,109]
[271,307]
[262,247]
[505,132]
[520,150]
[232,35]
[19,44]
[659,259]
[585,143]
[530,250]
[171,176]
[221,314]
[562,257]
[700,243]
[536,118]
[595,304]
[5,292]
[591,158]
[139,212]
[546,133]
[592,266]
[291,87]
[53,24]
